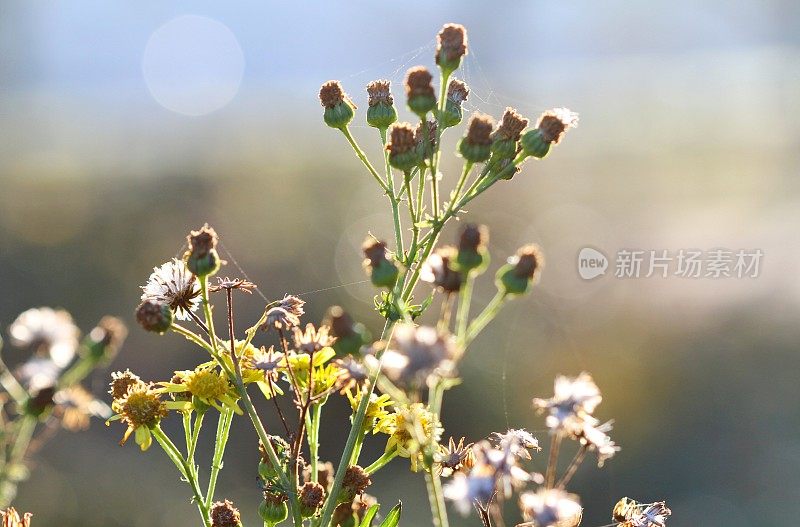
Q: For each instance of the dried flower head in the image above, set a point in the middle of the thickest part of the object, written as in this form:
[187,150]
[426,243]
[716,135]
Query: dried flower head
[511,126]
[440,270]
[229,284]
[418,82]
[352,373]
[518,442]
[48,331]
[417,352]
[455,457]
[383,272]
[280,319]
[311,496]
[553,124]
[451,46]
[551,508]
[630,513]
[457,91]
[331,94]
[75,406]
[402,147]
[11,518]
[224,514]
[426,137]
[595,437]
[154,316]
[38,373]
[174,285]
[355,482]
[312,339]
[528,261]
[473,237]
[121,382]
[476,145]
[201,257]
[379,92]
[575,399]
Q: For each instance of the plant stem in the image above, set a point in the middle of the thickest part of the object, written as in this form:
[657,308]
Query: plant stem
[552,463]
[381,462]
[363,157]
[436,498]
[464,301]
[486,316]
[223,431]
[398,227]
[355,430]
[183,467]
[313,439]
[573,467]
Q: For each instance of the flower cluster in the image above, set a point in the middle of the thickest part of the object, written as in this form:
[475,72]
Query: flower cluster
[394,383]
[44,392]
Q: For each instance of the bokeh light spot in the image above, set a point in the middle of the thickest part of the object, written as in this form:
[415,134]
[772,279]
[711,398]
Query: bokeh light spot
[193,65]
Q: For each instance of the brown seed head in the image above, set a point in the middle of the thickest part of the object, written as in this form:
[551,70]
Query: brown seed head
[529,261]
[374,251]
[293,305]
[452,43]
[355,480]
[121,381]
[202,241]
[224,514]
[331,94]
[418,82]
[457,91]
[426,135]
[379,92]
[11,518]
[340,322]
[554,123]
[479,130]
[511,125]
[402,139]
[473,237]
[311,495]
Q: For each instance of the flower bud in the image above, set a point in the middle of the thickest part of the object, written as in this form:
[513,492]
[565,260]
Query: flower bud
[402,147]
[265,468]
[419,90]
[311,496]
[202,258]
[477,144]
[154,317]
[425,134]
[349,335]
[339,109]
[382,271]
[354,484]
[472,252]
[505,138]
[224,514]
[451,47]
[521,272]
[273,509]
[381,112]
[438,269]
[457,93]
[550,129]
[104,341]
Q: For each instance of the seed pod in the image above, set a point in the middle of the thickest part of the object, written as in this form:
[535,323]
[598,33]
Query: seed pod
[202,258]
[154,317]
[521,272]
[339,109]
[476,145]
[419,90]
[381,112]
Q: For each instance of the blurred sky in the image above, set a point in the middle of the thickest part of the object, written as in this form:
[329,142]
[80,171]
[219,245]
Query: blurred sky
[126,124]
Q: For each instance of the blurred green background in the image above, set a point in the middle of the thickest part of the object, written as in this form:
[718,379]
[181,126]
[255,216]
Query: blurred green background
[126,124]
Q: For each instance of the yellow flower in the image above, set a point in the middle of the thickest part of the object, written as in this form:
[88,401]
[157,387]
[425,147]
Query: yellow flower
[142,410]
[207,385]
[376,409]
[411,428]
[297,366]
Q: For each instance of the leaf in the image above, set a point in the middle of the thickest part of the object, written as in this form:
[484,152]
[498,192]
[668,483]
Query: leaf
[393,518]
[369,516]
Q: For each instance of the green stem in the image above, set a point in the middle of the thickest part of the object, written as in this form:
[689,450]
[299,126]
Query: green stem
[464,301]
[357,448]
[198,424]
[487,315]
[459,186]
[381,462]
[363,157]
[436,499]
[313,440]
[12,385]
[445,77]
[398,227]
[183,467]
[355,430]
[223,431]
[552,463]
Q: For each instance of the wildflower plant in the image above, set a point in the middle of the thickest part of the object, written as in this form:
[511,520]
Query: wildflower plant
[396,382]
[44,393]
